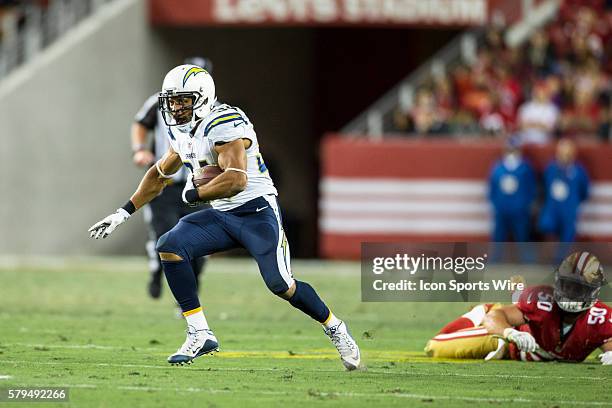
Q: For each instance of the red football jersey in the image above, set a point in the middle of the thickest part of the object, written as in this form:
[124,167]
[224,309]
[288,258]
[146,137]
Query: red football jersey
[544,321]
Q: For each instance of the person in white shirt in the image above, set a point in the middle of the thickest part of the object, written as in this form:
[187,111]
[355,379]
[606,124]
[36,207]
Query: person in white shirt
[538,118]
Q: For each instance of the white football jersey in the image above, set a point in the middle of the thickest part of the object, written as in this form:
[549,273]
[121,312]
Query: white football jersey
[197,149]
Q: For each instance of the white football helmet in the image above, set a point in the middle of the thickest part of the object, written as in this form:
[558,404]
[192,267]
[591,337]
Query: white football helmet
[188,94]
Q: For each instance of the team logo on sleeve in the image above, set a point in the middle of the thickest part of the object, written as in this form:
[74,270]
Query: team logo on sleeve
[193,71]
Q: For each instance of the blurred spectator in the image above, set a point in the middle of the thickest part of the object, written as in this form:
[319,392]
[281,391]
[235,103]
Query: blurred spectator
[554,85]
[583,112]
[493,123]
[509,92]
[512,189]
[539,54]
[566,186]
[478,98]
[538,117]
[583,116]
[494,40]
[425,117]
[443,94]
[461,78]
[588,78]
[463,122]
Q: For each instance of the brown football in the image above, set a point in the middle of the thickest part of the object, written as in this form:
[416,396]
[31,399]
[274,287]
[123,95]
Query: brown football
[203,175]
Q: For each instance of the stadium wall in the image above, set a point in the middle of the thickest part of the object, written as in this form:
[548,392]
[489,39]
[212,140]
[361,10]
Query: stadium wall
[402,190]
[65,157]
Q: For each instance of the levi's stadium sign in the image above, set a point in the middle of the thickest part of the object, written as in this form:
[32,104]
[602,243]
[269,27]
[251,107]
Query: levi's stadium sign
[328,12]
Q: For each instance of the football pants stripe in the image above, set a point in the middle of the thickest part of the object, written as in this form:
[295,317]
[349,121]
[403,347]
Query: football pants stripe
[192,311]
[283,255]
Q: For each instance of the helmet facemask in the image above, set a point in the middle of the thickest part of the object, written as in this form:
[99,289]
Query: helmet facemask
[574,297]
[178,108]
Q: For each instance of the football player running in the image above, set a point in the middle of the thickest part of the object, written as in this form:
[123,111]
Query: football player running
[566,322]
[244,213]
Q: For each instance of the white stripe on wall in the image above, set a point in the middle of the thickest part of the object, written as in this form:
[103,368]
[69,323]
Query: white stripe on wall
[395,206]
[458,187]
[404,207]
[399,226]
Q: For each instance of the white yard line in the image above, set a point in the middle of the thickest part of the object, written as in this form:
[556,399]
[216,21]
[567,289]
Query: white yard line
[260,369]
[350,395]
[76,346]
[5,377]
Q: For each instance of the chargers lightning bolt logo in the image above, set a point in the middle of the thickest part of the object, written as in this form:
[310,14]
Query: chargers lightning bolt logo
[192,71]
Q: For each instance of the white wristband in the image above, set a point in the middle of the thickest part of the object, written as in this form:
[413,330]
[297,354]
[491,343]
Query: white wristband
[238,170]
[161,173]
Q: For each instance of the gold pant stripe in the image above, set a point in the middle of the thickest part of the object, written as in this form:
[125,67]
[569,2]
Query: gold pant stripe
[192,311]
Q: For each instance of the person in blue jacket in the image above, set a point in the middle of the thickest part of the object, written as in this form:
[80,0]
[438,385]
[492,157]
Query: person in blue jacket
[566,184]
[512,189]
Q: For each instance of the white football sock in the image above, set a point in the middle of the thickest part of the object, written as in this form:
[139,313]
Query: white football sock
[331,321]
[197,320]
[476,315]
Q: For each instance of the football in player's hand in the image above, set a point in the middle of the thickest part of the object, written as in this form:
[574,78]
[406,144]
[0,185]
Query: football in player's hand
[203,175]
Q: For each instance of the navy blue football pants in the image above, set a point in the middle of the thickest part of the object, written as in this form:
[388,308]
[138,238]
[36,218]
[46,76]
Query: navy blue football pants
[255,226]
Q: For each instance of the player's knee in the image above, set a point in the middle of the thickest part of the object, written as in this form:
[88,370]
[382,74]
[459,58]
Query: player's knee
[288,294]
[170,248]
[279,287]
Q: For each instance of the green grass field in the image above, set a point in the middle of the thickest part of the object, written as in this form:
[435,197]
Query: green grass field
[87,324]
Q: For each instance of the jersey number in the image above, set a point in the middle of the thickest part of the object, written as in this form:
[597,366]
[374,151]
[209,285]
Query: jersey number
[545,302]
[597,315]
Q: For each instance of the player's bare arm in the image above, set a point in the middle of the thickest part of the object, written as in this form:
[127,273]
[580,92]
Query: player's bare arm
[154,180]
[152,183]
[498,320]
[502,321]
[232,160]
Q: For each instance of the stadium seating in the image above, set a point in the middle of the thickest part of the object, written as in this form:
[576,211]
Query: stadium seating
[567,62]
